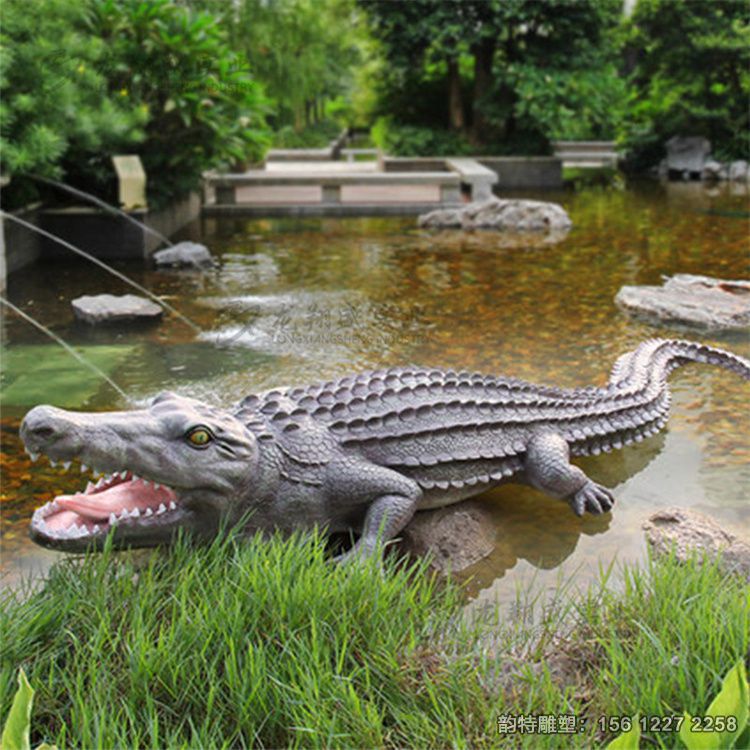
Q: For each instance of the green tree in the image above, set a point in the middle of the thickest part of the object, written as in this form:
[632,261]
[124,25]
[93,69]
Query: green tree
[175,64]
[691,76]
[488,56]
[303,51]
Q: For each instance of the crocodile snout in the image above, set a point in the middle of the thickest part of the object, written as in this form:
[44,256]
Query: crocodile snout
[42,427]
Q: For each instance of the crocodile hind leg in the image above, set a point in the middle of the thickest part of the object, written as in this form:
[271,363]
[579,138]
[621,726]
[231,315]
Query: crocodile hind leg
[385,517]
[548,468]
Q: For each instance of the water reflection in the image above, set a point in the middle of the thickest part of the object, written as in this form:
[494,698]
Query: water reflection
[279,304]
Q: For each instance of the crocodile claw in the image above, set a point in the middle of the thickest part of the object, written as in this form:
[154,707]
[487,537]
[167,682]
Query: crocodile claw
[592,498]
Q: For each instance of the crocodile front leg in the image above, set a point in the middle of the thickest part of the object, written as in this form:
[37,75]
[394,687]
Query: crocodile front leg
[548,468]
[391,500]
[385,518]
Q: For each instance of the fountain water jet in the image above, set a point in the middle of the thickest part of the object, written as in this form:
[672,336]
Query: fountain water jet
[67,348]
[105,266]
[102,204]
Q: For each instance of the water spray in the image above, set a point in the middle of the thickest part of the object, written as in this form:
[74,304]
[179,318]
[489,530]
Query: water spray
[105,266]
[102,204]
[67,348]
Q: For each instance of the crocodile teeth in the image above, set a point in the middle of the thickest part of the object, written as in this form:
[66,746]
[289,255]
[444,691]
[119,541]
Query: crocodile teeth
[172,505]
[66,465]
[148,512]
[135,513]
[112,519]
[123,474]
[125,514]
[157,486]
[145,482]
[161,509]
[33,456]
[95,530]
[84,468]
[89,487]
[52,463]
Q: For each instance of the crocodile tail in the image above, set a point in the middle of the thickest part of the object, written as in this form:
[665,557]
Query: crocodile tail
[653,360]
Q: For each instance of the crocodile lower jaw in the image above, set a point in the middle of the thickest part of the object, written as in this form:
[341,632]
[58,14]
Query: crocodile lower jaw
[119,501]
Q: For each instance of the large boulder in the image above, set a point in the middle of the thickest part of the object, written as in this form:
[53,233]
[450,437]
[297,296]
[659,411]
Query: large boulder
[687,154]
[500,214]
[184,255]
[712,304]
[108,308]
[454,537]
[685,532]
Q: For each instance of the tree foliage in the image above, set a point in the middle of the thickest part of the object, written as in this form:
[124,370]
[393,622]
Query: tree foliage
[691,76]
[55,99]
[303,51]
[502,67]
[203,107]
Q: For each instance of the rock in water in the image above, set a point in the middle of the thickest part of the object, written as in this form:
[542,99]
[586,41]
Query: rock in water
[739,171]
[686,532]
[687,153]
[501,214]
[184,255]
[454,537]
[712,304]
[108,308]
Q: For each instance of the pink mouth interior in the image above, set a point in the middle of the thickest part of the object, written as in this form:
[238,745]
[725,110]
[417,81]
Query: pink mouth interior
[94,506]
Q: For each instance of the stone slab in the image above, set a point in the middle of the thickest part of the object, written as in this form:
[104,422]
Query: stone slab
[686,299]
[109,308]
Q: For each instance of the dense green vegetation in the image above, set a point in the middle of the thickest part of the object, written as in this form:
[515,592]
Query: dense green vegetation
[499,76]
[690,75]
[264,643]
[205,83]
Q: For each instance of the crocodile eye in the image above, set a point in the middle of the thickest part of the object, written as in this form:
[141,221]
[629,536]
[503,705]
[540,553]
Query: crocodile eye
[199,437]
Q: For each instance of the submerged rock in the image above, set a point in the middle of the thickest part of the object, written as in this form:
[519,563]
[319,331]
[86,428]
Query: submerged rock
[184,255]
[501,214]
[686,532]
[108,308]
[713,304]
[454,537]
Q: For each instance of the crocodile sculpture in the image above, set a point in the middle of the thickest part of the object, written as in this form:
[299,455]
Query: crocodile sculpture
[363,452]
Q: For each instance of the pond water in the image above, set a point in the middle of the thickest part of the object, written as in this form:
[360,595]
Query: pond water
[307,299]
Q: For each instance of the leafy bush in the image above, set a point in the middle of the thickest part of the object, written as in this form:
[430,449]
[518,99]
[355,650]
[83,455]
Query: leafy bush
[565,105]
[412,140]
[315,136]
[55,103]
[204,109]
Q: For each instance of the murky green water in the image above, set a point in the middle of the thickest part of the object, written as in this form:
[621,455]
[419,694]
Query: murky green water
[301,300]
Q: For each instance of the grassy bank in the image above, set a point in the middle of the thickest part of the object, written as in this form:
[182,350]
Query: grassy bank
[266,644]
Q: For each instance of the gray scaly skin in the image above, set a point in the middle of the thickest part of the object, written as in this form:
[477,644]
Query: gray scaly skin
[363,452]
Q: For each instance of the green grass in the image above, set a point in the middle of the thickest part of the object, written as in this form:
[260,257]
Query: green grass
[264,643]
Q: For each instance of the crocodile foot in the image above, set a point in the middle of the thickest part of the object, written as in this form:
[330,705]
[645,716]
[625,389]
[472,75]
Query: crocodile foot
[593,498]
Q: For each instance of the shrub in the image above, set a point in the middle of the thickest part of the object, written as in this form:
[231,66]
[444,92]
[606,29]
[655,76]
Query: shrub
[204,109]
[55,103]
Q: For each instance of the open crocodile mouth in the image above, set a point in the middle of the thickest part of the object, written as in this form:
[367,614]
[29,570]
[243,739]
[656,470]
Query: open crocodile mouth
[122,499]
